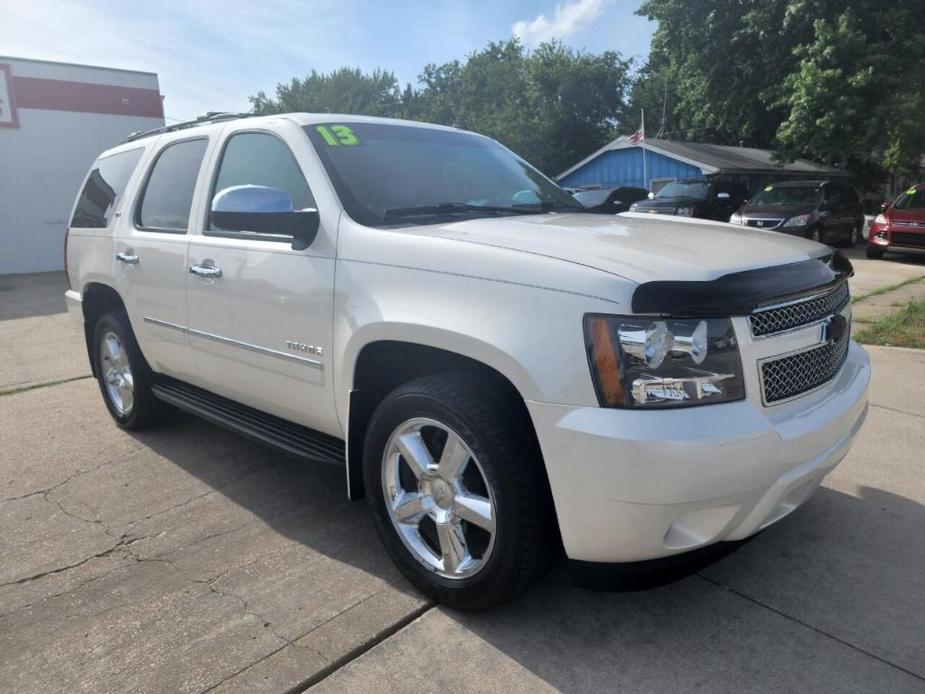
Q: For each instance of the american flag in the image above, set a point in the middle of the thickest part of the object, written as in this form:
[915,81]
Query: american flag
[637,137]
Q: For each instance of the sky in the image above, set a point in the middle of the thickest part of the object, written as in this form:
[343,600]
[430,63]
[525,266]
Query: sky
[210,55]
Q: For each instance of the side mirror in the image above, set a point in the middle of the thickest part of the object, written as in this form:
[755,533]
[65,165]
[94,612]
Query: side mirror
[264,210]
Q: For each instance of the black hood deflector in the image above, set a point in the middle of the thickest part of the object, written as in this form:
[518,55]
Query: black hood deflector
[741,293]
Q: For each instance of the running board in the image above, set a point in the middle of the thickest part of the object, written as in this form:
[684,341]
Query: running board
[267,429]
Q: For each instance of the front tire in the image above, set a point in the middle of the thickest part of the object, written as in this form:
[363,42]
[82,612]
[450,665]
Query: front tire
[455,482]
[124,377]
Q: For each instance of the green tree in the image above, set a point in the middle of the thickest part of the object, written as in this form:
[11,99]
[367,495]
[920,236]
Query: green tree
[858,93]
[552,105]
[839,81]
[346,90]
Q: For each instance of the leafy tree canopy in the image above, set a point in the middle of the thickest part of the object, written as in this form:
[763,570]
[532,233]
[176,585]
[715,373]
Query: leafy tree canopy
[838,81]
[552,105]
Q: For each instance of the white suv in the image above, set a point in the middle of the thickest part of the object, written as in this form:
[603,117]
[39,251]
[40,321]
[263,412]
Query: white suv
[496,368]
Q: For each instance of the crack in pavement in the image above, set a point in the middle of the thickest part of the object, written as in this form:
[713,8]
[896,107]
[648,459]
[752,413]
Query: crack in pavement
[79,473]
[797,620]
[15,389]
[896,409]
[337,663]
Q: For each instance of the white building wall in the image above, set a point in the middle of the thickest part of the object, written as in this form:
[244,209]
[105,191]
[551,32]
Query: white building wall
[44,160]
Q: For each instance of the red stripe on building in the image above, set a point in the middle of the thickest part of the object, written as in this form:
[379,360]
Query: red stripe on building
[62,95]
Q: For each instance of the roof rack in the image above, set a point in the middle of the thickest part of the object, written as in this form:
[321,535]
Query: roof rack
[210,117]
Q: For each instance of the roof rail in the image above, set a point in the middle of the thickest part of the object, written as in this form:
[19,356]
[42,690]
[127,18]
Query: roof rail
[210,117]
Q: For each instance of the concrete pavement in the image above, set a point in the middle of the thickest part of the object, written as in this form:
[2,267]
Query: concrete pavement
[40,344]
[188,559]
[832,599]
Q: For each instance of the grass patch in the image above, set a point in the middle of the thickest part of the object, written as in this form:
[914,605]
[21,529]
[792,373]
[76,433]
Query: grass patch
[904,328]
[884,290]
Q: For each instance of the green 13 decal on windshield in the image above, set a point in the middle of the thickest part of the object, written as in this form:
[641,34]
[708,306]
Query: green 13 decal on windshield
[336,135]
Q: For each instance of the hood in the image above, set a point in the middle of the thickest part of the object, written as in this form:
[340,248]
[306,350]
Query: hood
[775,211]
[638,247]
[667,203]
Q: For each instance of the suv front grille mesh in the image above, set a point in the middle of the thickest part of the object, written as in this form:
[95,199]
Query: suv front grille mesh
[801,372]
[777,320]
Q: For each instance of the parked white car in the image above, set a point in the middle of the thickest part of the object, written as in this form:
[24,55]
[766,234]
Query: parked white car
[497,368]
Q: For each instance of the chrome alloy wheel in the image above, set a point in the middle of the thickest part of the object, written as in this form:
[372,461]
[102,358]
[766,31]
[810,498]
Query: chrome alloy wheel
[438,498]
[117,373]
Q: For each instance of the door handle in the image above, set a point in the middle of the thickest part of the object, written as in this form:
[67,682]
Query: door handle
[205,270]
[129,257]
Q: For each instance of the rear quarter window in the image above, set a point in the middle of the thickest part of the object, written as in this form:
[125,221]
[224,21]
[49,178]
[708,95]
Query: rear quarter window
[168,195]
[104,188]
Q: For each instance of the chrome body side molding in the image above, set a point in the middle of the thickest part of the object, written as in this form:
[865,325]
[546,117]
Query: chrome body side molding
[314,363]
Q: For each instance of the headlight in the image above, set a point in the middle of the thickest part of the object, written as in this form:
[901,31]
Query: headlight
[653,362]
[685,211]
[881,219]
[736,218]
[801,220]
[634,207]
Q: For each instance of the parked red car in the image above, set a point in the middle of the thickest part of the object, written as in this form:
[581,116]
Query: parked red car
[901,225]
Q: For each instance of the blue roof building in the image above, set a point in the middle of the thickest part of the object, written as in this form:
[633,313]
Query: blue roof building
[620,163]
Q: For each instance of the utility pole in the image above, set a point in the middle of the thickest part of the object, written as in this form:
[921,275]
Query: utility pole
[663,125]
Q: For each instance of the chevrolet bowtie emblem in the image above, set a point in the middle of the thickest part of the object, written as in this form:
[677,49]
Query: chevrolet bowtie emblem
[834,329]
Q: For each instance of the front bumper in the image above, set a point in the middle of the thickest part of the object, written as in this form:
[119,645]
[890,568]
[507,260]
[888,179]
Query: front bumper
[900,239]
[635,485]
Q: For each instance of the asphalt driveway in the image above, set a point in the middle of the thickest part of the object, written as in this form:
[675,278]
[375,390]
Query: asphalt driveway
[188,559]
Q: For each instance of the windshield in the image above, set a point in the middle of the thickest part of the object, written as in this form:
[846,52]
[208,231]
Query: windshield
[389,174]
[912,199]
[589,198]
[788,196]
[685,189]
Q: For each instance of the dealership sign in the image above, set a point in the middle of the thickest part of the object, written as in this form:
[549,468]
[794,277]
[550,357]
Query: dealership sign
[8,117]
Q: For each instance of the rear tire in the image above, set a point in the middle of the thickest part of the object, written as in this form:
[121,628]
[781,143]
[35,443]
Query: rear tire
[874,253]
[853,238]
[124,377]
[482,563]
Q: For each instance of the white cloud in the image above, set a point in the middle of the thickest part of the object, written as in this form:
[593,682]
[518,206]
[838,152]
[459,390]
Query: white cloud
[569,19]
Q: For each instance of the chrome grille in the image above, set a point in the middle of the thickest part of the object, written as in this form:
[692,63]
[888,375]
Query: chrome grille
[776,320]
[763,223]
[789,376]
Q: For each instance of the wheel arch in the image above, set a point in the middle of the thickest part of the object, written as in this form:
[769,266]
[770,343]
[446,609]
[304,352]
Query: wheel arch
[97,300]
[383,365]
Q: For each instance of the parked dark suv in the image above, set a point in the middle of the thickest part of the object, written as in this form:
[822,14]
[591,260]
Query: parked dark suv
[825,211]
[610,200]
[696,197]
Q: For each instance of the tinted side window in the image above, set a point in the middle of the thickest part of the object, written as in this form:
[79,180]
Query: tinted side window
[104,186]
[168,195]
[263,160]
[849,195]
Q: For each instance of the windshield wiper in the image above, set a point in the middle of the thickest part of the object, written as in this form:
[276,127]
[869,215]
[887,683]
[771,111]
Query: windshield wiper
[443,208]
